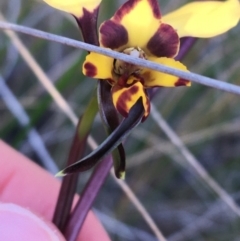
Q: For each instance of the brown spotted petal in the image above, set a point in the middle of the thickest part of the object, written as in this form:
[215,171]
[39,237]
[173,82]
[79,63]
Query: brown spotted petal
[165,42]
[124,98]
[98,66]
[153,78]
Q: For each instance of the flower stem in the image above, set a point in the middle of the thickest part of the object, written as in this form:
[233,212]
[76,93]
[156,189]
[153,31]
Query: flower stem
[88,196]
[69,183]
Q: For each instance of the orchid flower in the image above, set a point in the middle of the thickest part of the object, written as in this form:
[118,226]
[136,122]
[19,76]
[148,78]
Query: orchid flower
[137,29]
[86,12]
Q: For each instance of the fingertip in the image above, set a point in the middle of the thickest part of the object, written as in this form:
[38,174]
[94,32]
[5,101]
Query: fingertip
[18,223]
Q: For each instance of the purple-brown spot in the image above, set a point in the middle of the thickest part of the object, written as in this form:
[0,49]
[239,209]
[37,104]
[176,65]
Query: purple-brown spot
[113,35]
[121,104]
[155,8]
[133,90]
[165,42]
[122,80]
[181,82]
[91,69]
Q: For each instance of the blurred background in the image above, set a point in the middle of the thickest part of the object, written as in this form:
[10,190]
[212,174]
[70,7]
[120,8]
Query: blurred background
[207,120]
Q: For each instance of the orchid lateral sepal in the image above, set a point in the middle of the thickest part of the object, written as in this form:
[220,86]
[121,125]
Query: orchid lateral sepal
[60,174]
[107,110]
[111,121]
[119,161]
[134,118]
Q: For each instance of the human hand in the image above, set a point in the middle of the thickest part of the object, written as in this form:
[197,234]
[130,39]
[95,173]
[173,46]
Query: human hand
[24,183]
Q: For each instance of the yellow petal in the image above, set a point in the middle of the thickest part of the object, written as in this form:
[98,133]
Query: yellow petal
[141,19]
[125,97]
[74,7]
[98,66]
[154,78]
[204,19]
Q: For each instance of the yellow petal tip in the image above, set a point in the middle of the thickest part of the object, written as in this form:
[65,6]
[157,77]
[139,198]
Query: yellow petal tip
[60,174]
[122,175]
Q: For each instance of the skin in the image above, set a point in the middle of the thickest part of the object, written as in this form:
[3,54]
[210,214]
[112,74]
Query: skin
[24,183]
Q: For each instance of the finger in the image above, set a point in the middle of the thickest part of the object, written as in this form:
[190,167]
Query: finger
[26,184]
[17,223]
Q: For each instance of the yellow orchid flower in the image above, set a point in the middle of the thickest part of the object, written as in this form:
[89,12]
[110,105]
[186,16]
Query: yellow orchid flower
[137,29]
[75,7]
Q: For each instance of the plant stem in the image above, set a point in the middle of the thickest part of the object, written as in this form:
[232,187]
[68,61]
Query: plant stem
[88,196]
[69,183]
